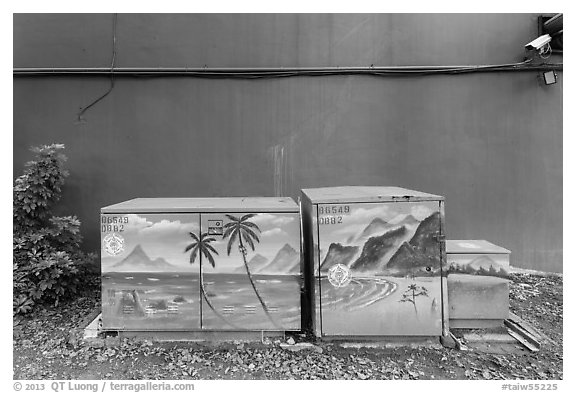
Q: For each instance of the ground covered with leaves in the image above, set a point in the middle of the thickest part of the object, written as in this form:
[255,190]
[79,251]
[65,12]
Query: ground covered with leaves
[44,348]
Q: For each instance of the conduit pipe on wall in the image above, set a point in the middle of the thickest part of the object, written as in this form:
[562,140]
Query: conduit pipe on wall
[284,72]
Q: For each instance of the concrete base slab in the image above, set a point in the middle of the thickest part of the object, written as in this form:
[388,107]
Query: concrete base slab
[301,347]
[488,337]
[476,323]
[202,336]
[494,340]
[498,334]
[390,342]
[93,328]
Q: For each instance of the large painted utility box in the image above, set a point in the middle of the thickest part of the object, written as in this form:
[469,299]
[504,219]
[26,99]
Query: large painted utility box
[194,264]
[375,258]
[477,283]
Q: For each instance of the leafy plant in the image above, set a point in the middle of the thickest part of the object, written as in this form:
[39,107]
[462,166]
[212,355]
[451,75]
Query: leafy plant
[39,187]
[47,261]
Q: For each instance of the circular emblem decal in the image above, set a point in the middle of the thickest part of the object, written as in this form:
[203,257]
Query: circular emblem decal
[113,244]
[339,275]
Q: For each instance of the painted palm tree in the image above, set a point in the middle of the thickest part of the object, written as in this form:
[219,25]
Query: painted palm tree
[245,231]
[201,246]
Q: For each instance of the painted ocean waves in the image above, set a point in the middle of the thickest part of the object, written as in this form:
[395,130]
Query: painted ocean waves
[372,305]
[393,255]
[153,300]
[168,301]
[174,275]
[232,296]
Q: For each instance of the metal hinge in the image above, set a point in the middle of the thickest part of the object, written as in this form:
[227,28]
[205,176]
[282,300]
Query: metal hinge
[439,237]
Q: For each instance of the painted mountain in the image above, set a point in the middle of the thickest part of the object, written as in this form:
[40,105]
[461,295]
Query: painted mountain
[139,261]
[422,250]
[286,261]
[338,253]
[406,220]
[256,263]
[375,250]
[378,227]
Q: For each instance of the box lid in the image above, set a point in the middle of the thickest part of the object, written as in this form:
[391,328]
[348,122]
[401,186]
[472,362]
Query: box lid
[347,194]
[473,247]
[203,205]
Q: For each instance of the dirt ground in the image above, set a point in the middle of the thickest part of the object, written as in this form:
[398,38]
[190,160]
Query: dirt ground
[43,348]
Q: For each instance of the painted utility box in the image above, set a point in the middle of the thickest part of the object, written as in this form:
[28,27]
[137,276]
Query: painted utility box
[374,261]
[477,283]
[194,264]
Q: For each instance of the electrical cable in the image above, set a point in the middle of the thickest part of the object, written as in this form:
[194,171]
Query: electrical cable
[546,52]
[83,110]
[284,72]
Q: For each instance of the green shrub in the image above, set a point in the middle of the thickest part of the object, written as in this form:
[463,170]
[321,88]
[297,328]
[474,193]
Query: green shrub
[39,187]
[48,264]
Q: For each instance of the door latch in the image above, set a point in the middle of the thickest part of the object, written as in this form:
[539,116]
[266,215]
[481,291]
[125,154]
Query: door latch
[439,237]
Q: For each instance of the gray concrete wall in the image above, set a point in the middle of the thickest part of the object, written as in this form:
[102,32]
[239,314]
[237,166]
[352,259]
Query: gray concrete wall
[490,143]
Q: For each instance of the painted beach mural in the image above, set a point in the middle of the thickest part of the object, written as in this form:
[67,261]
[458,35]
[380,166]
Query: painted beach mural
[379,268]
[147,280]
[252,276]
[200,271]
[477,280]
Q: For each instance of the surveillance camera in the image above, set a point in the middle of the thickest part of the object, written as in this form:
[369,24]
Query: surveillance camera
[539,42]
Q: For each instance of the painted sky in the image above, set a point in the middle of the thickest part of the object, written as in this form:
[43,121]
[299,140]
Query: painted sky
[276,231]
[160,235]
[362,214]
[167,235]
